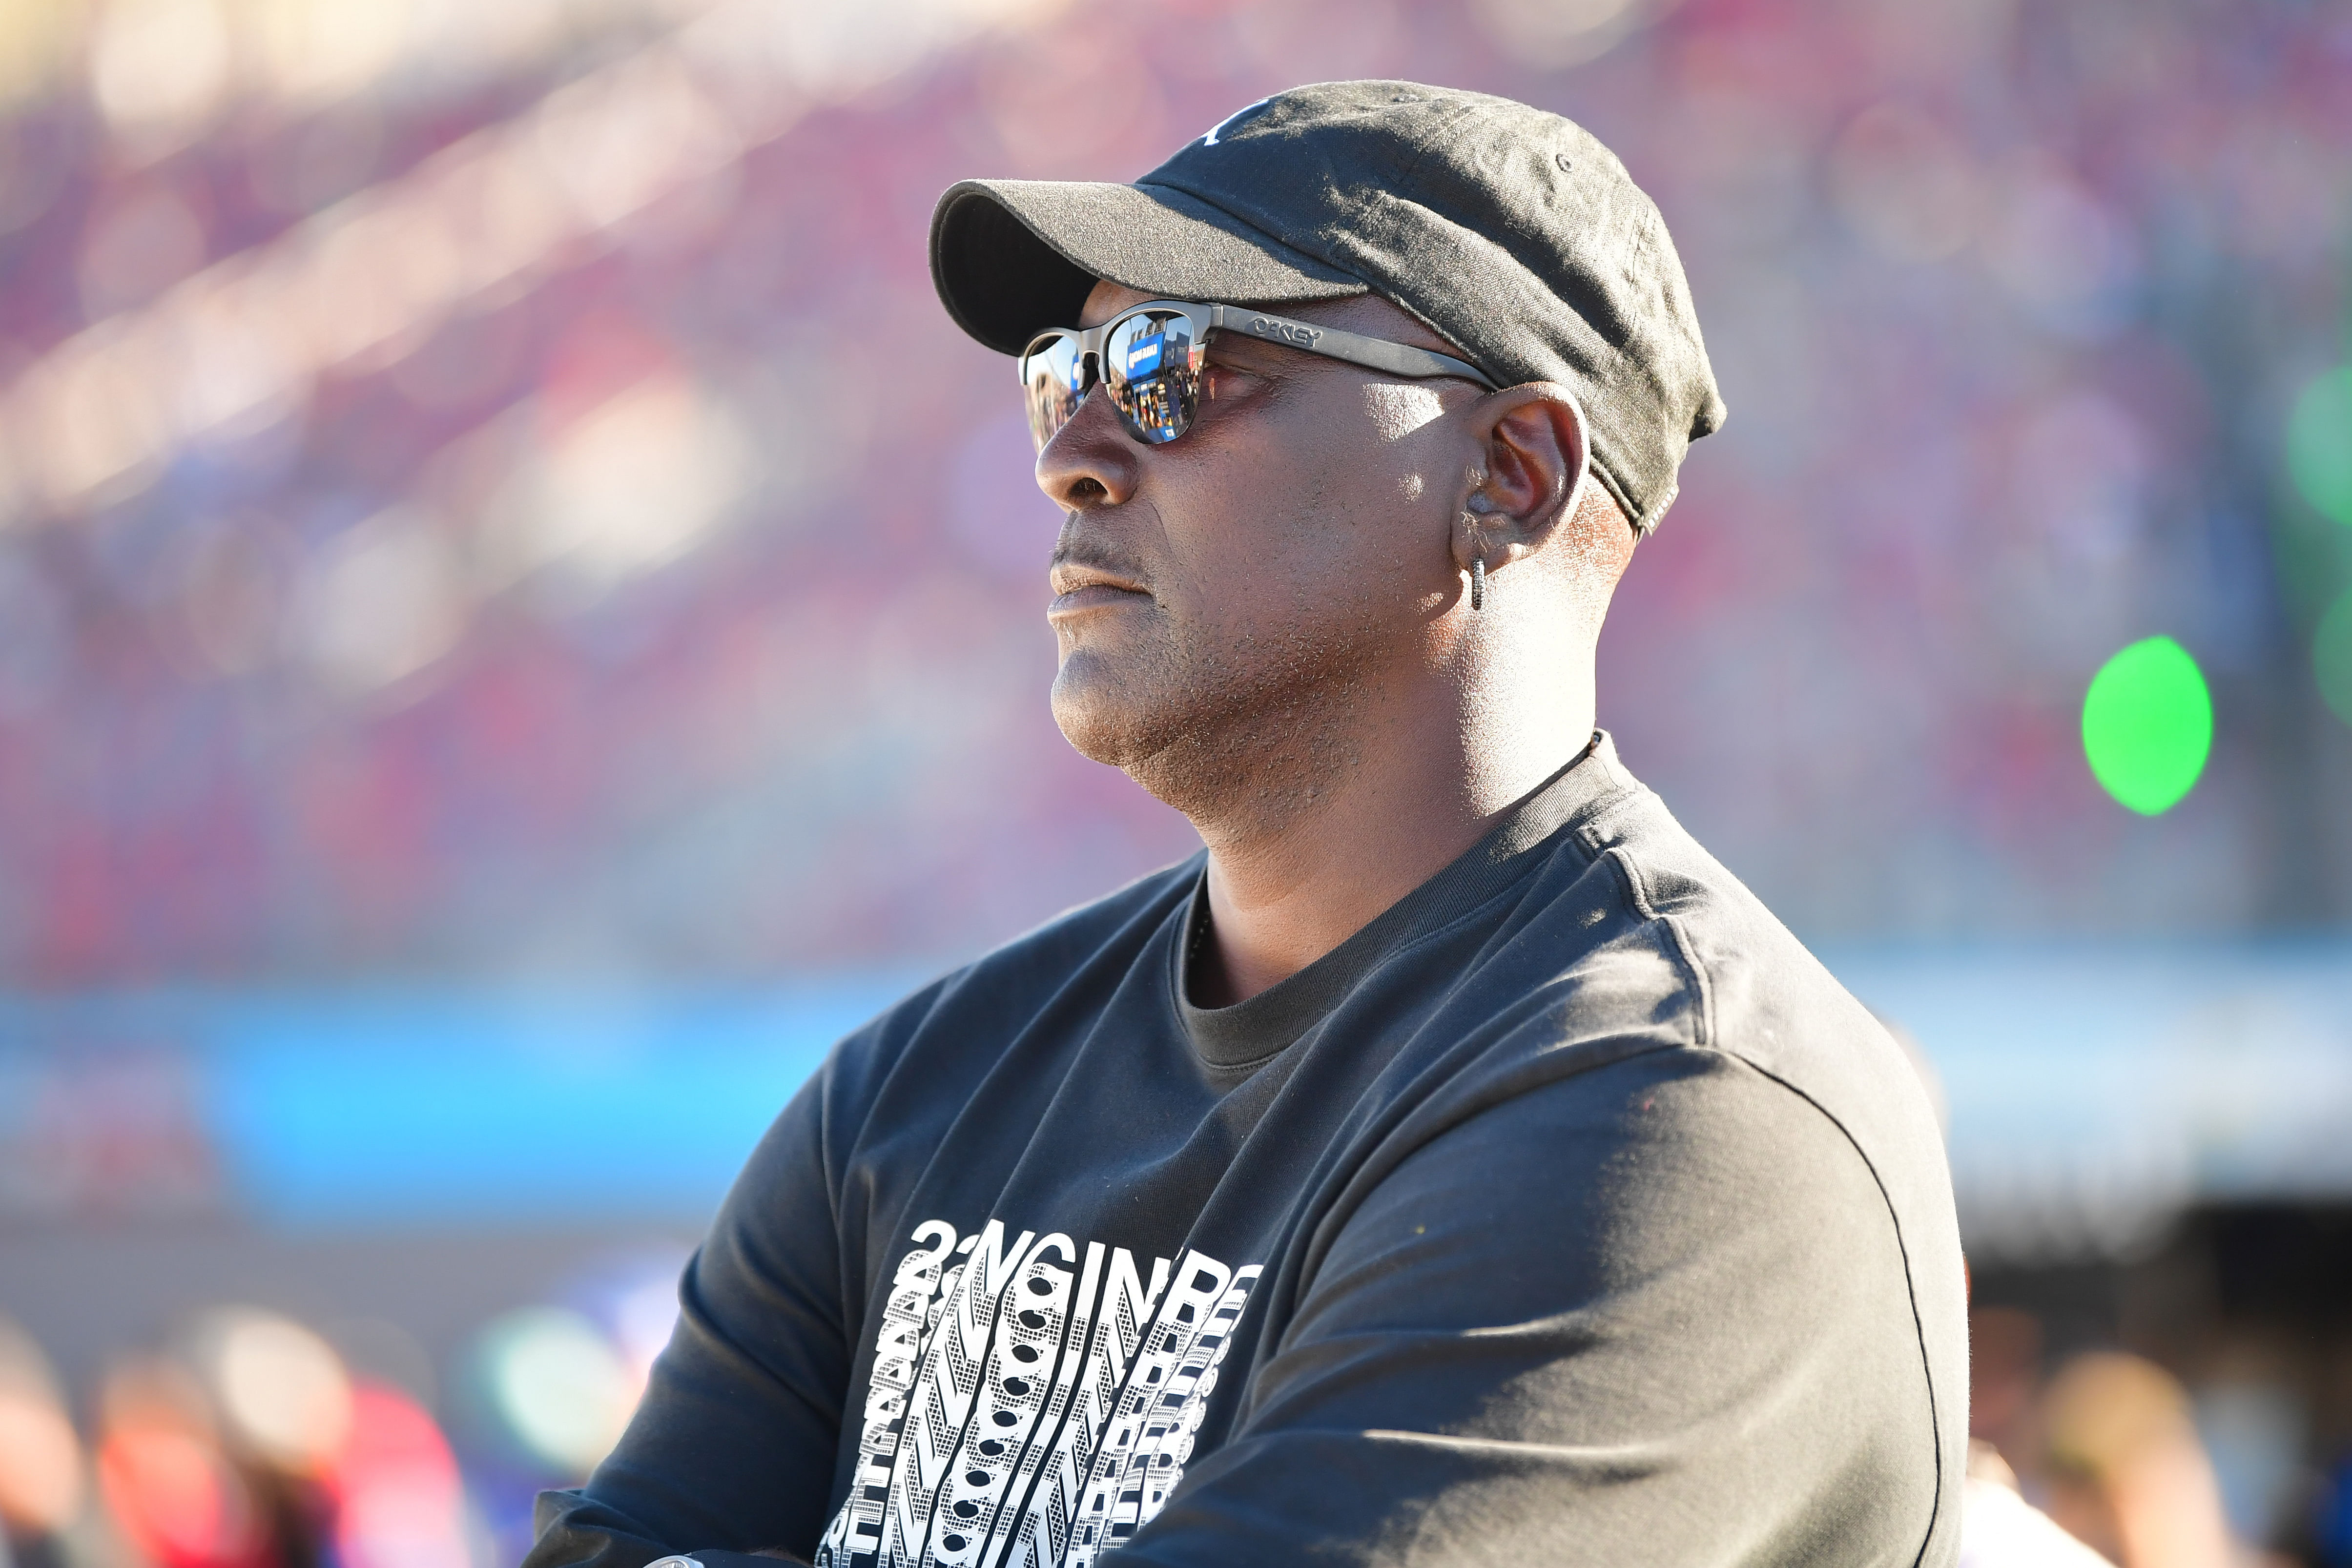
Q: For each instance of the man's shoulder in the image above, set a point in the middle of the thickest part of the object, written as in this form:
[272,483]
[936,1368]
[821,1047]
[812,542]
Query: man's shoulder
[1078,958]
[1733,976]
[1669,962]
[1693,959]
[1102,939]
[1740,984]
[1639,921]
[1631,939]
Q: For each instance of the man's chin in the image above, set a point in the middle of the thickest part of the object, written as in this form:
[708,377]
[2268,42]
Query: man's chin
[1195,749]
[1101,717]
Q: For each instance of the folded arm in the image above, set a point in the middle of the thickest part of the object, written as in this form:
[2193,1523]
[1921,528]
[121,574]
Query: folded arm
[732,1448]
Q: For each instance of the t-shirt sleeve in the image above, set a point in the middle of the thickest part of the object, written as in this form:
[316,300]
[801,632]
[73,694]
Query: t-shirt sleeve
[732,1447]
[1655,1312]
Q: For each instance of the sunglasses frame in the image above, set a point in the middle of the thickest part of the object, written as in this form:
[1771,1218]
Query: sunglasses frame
[1371,354]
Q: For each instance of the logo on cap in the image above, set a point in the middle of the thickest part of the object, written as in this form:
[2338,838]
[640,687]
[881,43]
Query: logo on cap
[1219,128]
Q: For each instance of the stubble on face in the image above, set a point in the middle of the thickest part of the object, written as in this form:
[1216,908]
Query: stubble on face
[1240,715]
[1288,559]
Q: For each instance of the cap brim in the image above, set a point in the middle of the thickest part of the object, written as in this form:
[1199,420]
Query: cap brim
[1011,258]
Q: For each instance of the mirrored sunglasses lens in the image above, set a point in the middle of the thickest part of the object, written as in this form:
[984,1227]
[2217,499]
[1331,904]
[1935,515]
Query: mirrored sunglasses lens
[1153,366]
[1055,374]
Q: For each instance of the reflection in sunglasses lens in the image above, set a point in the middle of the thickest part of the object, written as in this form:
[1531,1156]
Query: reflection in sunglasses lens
[1055,375]
[1153,366]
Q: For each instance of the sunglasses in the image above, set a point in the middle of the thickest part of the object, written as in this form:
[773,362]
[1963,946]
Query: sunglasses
[1152,357]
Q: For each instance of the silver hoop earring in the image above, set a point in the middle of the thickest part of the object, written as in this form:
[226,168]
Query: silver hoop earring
[1478,582]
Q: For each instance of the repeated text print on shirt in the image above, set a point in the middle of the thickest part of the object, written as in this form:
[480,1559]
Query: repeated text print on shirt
[1030,1407]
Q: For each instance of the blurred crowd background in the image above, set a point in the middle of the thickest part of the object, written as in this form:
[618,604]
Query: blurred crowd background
[521,620]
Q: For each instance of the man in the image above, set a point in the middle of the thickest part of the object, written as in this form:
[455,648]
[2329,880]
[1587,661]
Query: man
[1452,1164]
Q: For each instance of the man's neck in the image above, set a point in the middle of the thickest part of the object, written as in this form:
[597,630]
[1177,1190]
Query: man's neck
[1420,790]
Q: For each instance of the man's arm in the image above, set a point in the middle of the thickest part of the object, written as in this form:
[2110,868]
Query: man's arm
[1652,1313]
[732,1448]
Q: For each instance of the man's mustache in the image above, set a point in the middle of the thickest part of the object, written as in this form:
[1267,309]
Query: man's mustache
[1094,555]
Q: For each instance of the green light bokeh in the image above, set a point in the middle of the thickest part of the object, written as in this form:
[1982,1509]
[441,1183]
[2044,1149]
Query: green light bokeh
[2319,444]
[2331,656]
[2148,725]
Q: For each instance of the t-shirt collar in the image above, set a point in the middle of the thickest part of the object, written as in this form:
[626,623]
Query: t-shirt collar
[1253,1031]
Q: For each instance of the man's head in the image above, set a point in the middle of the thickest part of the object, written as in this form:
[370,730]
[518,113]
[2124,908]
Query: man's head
[1227,603]
[1235,606]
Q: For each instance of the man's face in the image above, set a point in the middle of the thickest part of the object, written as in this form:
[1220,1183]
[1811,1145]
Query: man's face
[1230,596]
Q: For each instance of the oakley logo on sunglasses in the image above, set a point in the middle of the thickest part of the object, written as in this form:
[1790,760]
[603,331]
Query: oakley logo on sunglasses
[1285,332]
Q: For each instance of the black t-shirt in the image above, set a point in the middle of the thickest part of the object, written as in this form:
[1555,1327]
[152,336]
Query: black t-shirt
[1569,1213]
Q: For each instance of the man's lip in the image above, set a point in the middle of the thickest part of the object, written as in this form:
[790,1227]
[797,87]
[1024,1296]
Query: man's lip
[1069,577]
[1094,593]
[1079,585]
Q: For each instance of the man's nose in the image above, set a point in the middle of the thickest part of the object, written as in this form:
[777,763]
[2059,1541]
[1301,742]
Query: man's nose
[1090,461]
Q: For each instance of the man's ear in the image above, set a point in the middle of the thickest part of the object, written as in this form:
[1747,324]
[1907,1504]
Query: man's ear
[1533,449]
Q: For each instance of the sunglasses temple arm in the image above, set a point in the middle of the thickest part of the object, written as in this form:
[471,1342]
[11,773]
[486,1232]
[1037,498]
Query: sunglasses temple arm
[1372,353]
